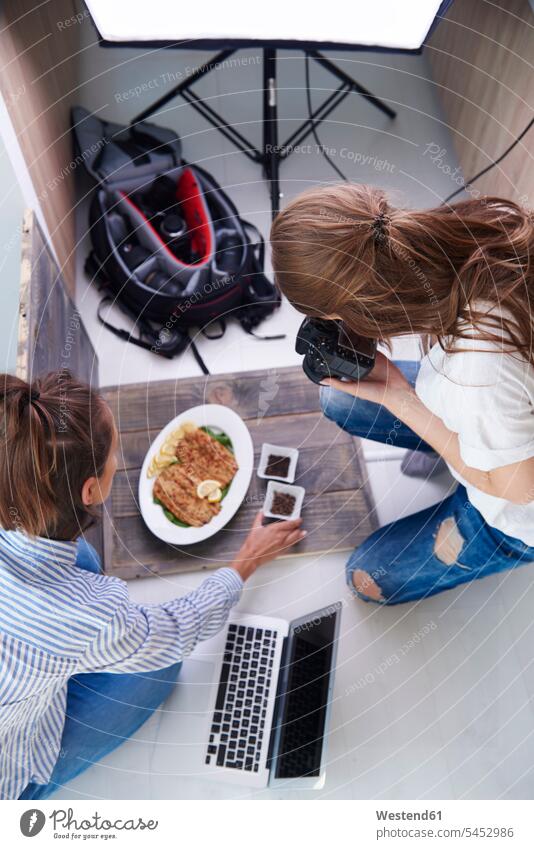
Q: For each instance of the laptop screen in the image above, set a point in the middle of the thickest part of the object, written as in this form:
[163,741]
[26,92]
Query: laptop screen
[305,696]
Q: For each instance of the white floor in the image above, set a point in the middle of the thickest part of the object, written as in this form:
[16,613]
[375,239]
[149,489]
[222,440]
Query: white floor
[450,716]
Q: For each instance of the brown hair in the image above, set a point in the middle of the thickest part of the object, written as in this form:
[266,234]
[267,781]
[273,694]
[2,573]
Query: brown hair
[344,250]
[56,433]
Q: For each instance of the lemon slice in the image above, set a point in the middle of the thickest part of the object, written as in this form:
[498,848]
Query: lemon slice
[167,456]
[168,449]
[208,489]
[158,463]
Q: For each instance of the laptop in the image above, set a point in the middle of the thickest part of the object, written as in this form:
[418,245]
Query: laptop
[270,702]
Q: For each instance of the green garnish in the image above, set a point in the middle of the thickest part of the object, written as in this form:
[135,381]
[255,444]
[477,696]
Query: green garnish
[221,437]
[170,516]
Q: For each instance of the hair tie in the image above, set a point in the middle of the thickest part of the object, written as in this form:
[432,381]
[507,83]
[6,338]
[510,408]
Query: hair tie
[34,395]
[379,226]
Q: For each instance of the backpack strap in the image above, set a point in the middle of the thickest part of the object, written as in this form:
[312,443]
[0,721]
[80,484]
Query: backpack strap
[222,325]
[125,335]
[260,243]
[154,341]
[260,296]
[198,357]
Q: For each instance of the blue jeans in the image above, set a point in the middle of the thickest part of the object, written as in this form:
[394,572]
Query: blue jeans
[103,709]
[434,550]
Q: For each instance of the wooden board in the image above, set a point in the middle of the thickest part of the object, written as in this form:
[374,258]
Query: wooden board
[51,335]
[282,408]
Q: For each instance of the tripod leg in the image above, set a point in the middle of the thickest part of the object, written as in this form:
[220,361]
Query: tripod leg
[345,78]
[271,156]
[176,90]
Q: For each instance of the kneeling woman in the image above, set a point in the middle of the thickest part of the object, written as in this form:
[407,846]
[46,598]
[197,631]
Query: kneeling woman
[463,277]
[64,627]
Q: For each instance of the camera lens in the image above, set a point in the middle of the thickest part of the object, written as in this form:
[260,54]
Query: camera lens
[173,226]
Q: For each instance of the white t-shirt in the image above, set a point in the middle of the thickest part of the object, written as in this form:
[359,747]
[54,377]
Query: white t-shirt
[486,396]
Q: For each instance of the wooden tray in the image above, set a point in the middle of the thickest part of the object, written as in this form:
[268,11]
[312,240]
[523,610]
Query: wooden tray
[279,406]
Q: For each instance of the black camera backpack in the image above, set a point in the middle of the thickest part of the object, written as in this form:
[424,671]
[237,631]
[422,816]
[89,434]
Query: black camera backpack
[168,245]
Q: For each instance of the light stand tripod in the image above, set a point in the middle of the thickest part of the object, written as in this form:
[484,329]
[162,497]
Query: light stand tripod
[272,153]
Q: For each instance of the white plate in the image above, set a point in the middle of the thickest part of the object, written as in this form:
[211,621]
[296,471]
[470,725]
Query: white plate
[206,415]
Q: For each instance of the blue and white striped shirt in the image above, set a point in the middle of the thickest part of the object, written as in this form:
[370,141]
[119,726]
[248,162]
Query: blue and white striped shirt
[57,620]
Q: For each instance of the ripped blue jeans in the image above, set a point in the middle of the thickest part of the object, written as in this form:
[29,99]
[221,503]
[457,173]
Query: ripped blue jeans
[430,551]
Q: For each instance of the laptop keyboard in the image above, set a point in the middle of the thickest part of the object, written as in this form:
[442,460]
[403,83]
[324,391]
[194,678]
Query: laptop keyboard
[238,727]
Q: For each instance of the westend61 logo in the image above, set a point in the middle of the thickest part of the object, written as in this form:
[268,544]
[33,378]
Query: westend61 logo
[65,825]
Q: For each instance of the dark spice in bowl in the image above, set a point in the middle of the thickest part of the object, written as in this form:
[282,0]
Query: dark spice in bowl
[283,504]
[277,466]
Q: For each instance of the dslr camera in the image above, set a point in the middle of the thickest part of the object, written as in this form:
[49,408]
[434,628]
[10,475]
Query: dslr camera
[331,349]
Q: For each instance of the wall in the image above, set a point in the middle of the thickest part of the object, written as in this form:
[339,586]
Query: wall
[11,214]
[39,46]
[481,59]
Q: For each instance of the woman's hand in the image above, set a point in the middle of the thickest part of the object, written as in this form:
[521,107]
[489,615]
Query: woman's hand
[265,542]
[384,385]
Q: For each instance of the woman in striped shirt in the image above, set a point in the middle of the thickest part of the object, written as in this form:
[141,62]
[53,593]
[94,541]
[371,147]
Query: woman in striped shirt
[64,627]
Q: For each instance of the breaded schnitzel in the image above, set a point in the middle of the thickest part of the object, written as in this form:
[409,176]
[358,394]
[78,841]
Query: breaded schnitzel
[176,488]
[207,457]
[200,458]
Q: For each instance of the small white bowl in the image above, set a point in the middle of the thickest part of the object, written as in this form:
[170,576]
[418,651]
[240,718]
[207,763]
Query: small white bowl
[279,451]
[296,491]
